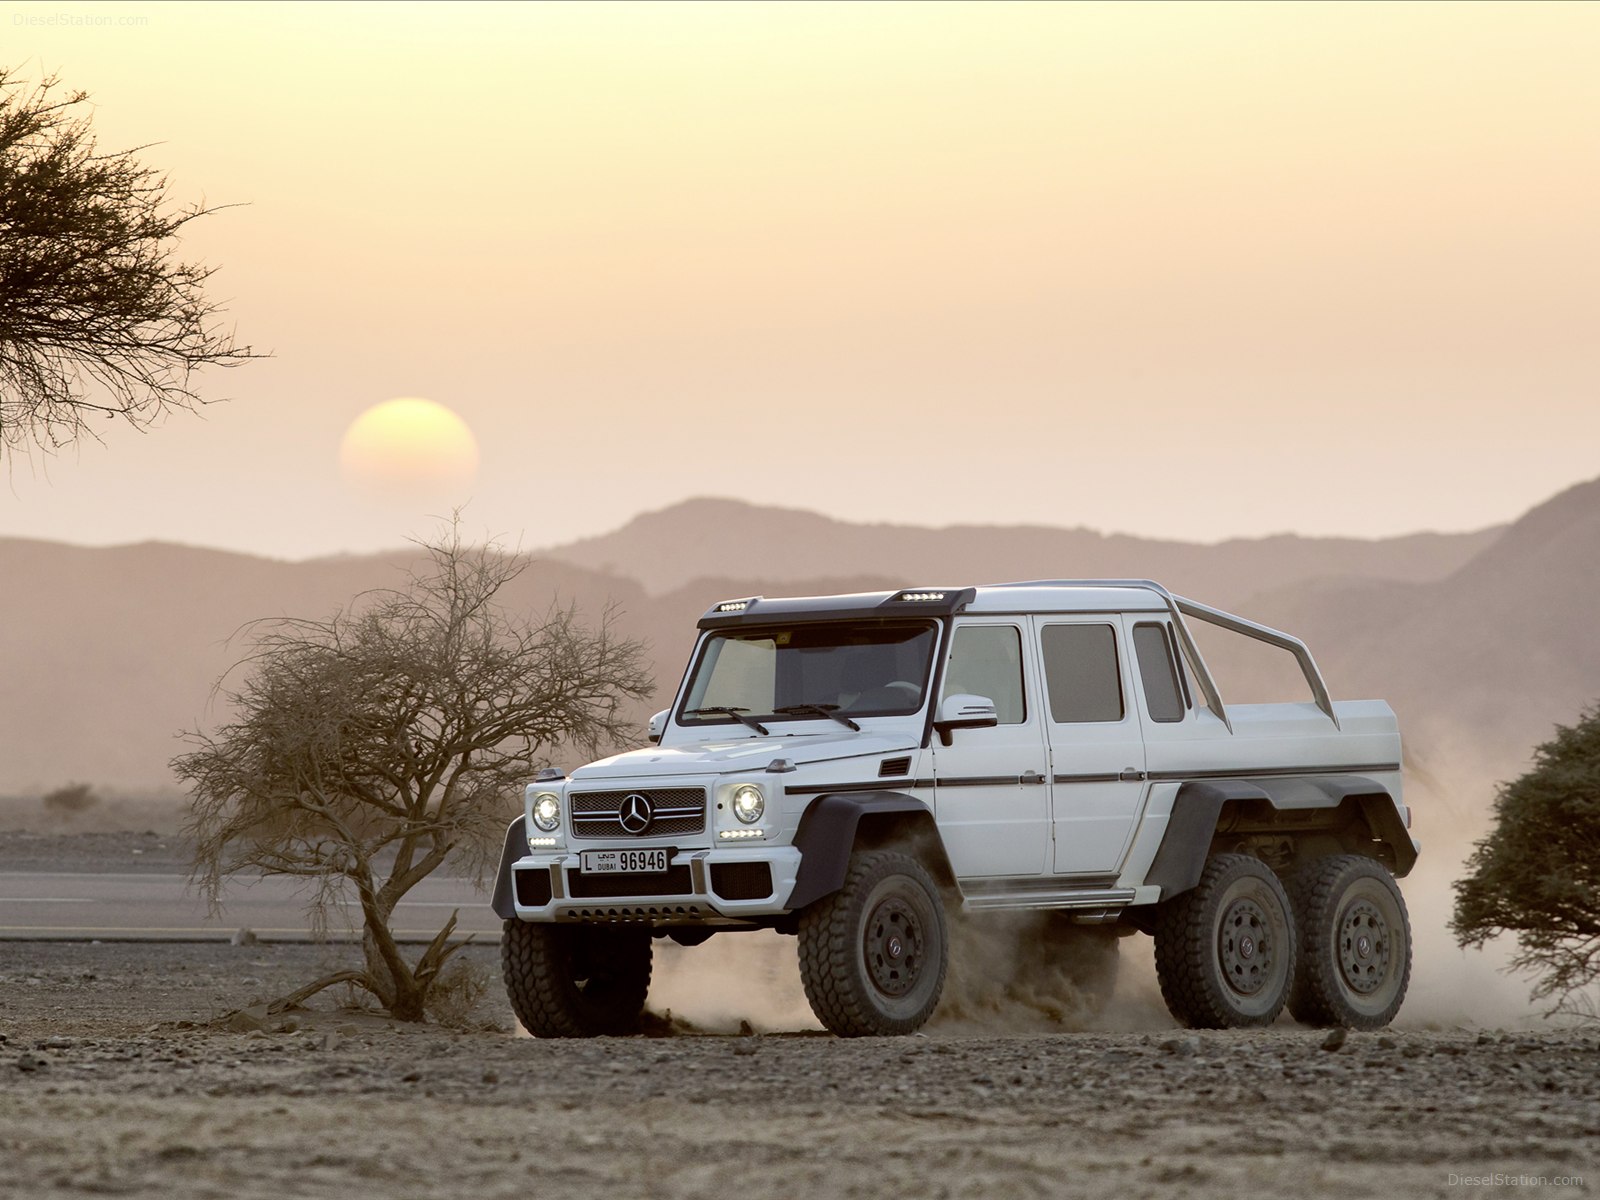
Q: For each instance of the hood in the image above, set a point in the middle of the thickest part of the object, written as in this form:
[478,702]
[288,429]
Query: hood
[745,755]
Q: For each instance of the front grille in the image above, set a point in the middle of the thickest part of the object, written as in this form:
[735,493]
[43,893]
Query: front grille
[674,882]
[677,811]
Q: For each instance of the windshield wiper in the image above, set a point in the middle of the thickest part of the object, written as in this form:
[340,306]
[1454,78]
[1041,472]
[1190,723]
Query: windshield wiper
[818,710]
[736,713]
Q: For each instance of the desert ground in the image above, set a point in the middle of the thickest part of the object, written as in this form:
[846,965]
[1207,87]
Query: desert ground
[119,1080]
[141,1068]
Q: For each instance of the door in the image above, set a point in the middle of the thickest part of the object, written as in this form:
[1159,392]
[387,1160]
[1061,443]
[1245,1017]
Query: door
[1097,763]
[992,799]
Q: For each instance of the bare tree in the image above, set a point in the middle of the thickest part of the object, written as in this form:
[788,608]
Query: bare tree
[368,749]
[98,315]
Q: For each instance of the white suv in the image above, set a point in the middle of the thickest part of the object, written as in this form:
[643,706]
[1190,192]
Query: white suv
[861,770]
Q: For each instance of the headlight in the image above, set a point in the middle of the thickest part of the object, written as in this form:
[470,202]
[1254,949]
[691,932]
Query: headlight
[547,811]
[749,804]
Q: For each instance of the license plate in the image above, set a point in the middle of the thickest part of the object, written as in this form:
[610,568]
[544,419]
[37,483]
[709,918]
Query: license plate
[615,862]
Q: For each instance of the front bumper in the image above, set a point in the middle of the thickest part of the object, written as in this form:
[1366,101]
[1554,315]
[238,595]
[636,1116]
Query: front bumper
[705,886]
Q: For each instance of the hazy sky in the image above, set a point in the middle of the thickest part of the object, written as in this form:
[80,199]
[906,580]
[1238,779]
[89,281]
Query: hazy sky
[1198,270]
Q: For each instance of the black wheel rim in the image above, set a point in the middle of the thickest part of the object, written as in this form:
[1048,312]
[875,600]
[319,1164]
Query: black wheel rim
[1247,946]
[892,945]
[1364,947]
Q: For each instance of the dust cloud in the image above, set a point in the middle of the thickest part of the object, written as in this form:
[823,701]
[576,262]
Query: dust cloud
[751,977]
[1036,972]
[1011,973]
[1450,790]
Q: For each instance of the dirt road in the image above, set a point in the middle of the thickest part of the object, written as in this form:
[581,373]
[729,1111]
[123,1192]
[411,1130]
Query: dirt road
[111,1083]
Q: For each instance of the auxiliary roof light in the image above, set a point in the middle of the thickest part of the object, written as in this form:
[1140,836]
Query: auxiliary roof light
[733,606]
[920,596]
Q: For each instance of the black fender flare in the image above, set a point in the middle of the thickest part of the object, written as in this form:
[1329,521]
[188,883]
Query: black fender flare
[516,847]
[1195,809]
[827,834]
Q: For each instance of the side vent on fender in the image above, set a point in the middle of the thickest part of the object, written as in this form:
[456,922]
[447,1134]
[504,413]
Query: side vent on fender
[894,768]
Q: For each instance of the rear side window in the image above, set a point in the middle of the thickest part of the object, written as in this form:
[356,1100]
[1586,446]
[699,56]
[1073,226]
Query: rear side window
[1158,671]
[1081,673]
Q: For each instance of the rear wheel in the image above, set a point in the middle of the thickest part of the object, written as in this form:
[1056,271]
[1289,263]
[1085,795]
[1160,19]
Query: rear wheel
[1225,950]
[873,954]
[576,980]
[1355,944]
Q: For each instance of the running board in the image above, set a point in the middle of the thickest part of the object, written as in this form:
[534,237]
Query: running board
[1108,899]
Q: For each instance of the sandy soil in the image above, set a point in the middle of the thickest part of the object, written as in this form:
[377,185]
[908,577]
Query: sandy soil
[113,1080]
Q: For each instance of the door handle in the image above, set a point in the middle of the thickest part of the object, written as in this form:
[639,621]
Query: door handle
[1130,775]
[1030,777]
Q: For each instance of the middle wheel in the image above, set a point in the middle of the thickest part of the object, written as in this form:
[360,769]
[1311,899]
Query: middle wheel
[873,954]
[1225,950]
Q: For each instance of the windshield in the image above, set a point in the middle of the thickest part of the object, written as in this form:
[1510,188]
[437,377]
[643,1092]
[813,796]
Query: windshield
[811,672]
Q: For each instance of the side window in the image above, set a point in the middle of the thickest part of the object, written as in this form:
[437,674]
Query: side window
[1081,673]
[1152,648]
[986,660]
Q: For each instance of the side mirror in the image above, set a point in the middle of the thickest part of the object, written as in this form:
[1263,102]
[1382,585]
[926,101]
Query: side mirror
[658,726]
[963,711]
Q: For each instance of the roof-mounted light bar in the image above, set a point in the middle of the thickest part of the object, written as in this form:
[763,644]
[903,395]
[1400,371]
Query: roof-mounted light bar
[917,603]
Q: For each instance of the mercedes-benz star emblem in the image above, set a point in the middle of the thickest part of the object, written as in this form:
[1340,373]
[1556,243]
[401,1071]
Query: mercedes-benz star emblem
[636,813]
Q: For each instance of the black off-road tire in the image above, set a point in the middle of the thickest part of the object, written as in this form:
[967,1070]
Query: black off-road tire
[576,980]
[1355,943]
[1225,950]
[873,954]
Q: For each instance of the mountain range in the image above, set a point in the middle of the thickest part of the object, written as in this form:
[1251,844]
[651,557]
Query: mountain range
[1480,640]
[709,538]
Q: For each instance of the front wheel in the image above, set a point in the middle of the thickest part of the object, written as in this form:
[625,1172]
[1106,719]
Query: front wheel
[1225,950]
[576,980]
[1355,944]
[873,954]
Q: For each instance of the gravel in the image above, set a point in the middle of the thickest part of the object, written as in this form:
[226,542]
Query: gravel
[148,1069]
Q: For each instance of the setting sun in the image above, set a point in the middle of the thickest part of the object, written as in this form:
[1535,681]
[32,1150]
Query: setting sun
[408,447]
